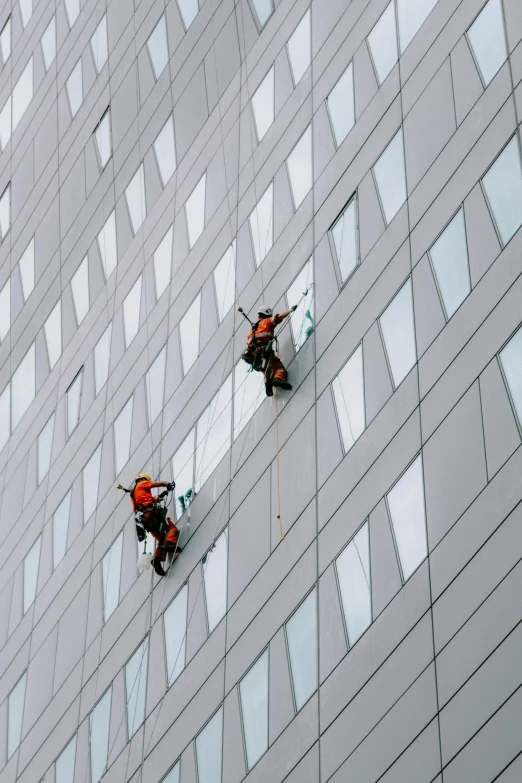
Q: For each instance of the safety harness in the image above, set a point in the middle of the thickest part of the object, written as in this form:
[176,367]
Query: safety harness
[256,354]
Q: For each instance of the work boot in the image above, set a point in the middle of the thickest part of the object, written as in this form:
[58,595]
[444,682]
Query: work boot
[282,384]
[156,564]
[269,389]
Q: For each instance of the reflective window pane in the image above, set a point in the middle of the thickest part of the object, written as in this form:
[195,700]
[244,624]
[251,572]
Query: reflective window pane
[131,312]
[213,433]
[60,529]
[253,690]
[165,150]
[301,633]
[155,385]
[195,211]
[49,44]
[5,41]
[215,578]
[73,10]
[80,290]
[135,196]
[64,767]
[26,10]
[503,186]
[263,104]
[390,177]
[44,450]
[225,281]
[5,211]
[122,435]
[5,123]
[100,45]
[15,714]
[26,264]
[348,389]
[399,334]
[31,565]
[102,355]
[262,224]
[511,360]
[183,472]
[99,721]
[102,134]
[344,234]
[382,42]
[163,262]
[5,309]
[406,504]
[301,293]
[341,105]
[449,256]
[108,246]
[111,571]
[53,334]
[263,9]
[74,393]
[412,14]
[189,334]
[189,10]
[23,386]
[23,93]
[158,47]
[248,395]
[173,775]
[209,747]
[175,630]
[90,482]
[136,688]
[5,407]
[353,572]
[488,41]
[75,88]
[300,167]
[300,49]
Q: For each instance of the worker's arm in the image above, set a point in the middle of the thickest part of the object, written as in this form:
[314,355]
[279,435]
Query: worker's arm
[278,317]
[154,484]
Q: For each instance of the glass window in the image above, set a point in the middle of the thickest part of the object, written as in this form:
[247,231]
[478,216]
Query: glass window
[262,224]
[158,47]
[189,334]
[398,331]
[135,196]
[353,573]
[100,45]
[5,211]
[53,334]
[99,723]
[412,14]
[26,10]
[449,256]
[45,445]
[183,472]
[102,355]
[64,767]
[511,360]
[213,433]
[5,405]
[503,186]
[195,211]
[163,262]
[131,312]
[225,281]
[111,571]
[155,383]
[136,688]
[49,44]
[300,48]
[215,578]
[390,177]
[344,235]
[90,481]
[189,10]
[300,167]
[108,246]
[5,41]
[23,386]
[173,775]
[301,634]
[5,123]
[348,389]
[248,395]
[383,43]
[75,88]
[301,293]
[102,134]
[165,150]
[263,9]
[209,748]
[15,714]
[23,93]
[27,270]
[74,393]
[263,104]
[406,505]
[253,690]
[122,435]
[73,10]
[175,630]
[31,564]
[60,529]
[5,309]
[341,105]
[487,39]
[80,290]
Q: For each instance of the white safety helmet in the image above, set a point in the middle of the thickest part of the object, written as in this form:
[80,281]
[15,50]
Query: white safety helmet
[264,311]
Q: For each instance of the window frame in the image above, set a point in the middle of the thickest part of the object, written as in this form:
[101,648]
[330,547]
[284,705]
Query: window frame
[339,428]
[185,28]
[341,284]
[185,372]
[140,173]
[397,41]
[7,190]
[253,11]
[156,158]
[366,521]
[287,645]
[241,712]
[170,229]
[330,118]
[106,113]
[387,223]
[232,247]
[514,135]
[432,265]
[383,341]
[19,680]
[287,47]
[223,531]
[165,653]
[296,208]
[162,16]
[272,68]
[204,179]
[472,50]
[221,708]
[518,419]
[145,657]
[80,63]
[129,399]
[250,229]
[78,374]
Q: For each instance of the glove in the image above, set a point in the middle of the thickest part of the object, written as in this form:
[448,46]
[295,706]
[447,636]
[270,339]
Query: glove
[294,308]
[171,486]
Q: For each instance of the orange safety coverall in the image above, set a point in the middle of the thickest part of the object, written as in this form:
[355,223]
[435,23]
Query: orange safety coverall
[265,333]
[142,499]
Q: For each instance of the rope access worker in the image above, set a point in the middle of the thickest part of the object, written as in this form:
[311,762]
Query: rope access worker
[151,517]
[259,347]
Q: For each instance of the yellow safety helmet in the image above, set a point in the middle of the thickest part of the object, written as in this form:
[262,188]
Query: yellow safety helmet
[143,476]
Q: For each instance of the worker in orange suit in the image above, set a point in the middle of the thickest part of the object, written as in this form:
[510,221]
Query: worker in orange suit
[152,518]
[260,338]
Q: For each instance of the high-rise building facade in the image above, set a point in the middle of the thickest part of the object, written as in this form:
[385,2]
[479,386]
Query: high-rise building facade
[346,606]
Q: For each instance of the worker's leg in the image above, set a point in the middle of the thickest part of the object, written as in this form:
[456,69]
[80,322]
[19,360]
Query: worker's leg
[171,538]
[278,374]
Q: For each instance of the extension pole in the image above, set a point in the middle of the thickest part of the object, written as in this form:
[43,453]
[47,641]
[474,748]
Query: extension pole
[240,310]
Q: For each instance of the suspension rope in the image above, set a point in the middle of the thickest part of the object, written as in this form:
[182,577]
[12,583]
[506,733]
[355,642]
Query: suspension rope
[278,469]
